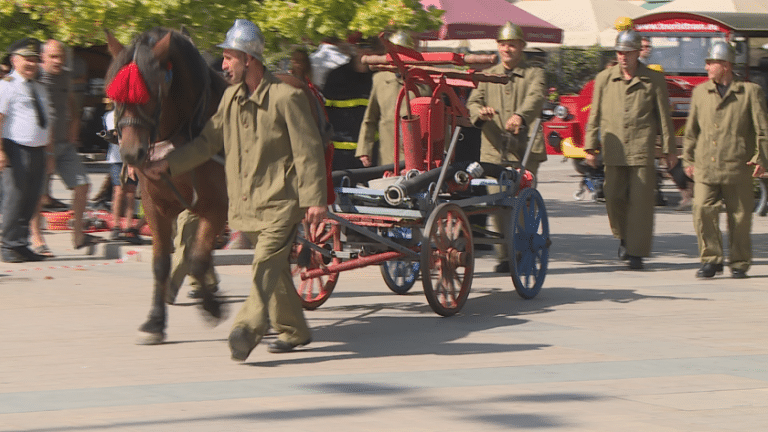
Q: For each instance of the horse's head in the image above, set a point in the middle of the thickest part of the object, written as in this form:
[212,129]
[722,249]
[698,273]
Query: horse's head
[138,81]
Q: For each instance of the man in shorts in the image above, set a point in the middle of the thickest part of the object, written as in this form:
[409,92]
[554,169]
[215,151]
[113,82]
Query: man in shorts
[69,165]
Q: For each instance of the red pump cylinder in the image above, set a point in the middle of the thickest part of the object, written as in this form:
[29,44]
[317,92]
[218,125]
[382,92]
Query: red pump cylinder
[431,113]
[413,147]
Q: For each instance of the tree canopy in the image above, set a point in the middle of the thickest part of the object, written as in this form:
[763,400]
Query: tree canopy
[284,23]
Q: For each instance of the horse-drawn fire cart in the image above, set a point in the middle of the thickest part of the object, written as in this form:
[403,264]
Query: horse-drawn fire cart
[412,217]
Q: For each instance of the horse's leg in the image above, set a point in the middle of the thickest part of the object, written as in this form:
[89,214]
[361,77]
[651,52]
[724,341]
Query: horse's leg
[153,330]
[201,263]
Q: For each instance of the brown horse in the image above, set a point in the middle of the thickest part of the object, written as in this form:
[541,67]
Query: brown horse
[164,92]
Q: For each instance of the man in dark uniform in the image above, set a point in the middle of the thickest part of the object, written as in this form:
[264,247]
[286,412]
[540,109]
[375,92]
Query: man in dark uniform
[347,89]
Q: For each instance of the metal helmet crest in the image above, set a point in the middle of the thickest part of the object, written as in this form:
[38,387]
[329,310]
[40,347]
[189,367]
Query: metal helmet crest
[624,23]
[510,31]
[245,36]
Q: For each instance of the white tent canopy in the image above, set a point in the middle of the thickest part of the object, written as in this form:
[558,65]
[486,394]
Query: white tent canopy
[584,22]
[745,6]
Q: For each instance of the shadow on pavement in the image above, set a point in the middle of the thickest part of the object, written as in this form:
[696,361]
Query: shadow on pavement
[480,411]
[411,328]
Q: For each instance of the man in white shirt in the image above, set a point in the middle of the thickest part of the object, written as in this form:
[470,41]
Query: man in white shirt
[27,150]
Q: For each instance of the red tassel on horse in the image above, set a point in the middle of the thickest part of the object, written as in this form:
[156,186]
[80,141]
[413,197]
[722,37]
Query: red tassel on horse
[128,87]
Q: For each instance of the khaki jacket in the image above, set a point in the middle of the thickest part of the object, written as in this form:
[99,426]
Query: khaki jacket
[274,157]
[723,134]
[625,117]
[380,117]
[524,95]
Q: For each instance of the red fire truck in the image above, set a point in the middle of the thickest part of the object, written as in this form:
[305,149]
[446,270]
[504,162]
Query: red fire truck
[681,42]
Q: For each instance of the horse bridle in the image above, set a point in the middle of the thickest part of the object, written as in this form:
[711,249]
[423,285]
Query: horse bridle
[151,123]
[145,120]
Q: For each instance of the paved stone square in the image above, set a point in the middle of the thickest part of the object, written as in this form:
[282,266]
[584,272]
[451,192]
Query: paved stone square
[602,348]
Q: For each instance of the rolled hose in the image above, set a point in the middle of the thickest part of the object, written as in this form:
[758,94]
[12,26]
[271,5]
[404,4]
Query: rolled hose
[396,193]
[362,175]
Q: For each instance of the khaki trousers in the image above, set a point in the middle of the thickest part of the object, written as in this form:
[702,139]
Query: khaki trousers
[273,298]
[629,202]
[186,230]
[499,222]
[739,200]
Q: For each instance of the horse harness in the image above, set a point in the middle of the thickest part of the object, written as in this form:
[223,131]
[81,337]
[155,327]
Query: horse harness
[151,123]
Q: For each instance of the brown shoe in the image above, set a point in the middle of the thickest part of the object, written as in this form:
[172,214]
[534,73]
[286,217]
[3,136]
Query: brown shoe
[239,345]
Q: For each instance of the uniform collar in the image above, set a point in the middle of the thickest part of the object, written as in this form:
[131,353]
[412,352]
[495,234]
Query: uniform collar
[518,70]
[261,91]
[737,86]
[641,74]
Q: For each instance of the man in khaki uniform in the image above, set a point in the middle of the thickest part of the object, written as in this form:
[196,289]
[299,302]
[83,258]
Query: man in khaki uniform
[185,228]
[500,109]
[630,107]
[725,145]
[503,111]
[275,171]
[380,114]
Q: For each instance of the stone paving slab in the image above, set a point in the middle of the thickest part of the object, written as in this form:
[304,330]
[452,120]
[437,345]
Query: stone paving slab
[602,348]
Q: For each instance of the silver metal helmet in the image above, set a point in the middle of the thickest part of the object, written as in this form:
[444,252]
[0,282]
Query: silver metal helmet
[403,39]
[722,50]
[245,36]
[628,40]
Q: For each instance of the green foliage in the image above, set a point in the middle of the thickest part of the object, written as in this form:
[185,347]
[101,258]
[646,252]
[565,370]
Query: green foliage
[82,22]
[569,68]
[374,16]
[284,23]
[307,22]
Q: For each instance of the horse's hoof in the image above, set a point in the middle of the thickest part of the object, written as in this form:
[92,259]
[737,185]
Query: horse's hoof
[150,338]
[170,299]
[216,311]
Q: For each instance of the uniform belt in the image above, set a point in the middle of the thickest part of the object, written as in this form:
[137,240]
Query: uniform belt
[343,145]
[349,103]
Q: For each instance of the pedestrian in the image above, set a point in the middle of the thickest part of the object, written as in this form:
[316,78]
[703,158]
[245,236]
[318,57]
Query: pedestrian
[725,145]
[630,108]
[65,130]
[505,112]
[124,182]
[379,118]
[301,68]
[275,177]
[645,50]
[27,152]
[347,89]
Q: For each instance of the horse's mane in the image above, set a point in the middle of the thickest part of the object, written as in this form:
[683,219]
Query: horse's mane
[201,87]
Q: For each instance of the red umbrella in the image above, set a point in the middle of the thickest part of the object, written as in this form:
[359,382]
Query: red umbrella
[480,19]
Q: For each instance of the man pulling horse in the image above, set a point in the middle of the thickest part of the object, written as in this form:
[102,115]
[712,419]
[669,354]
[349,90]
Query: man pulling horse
[274,161]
